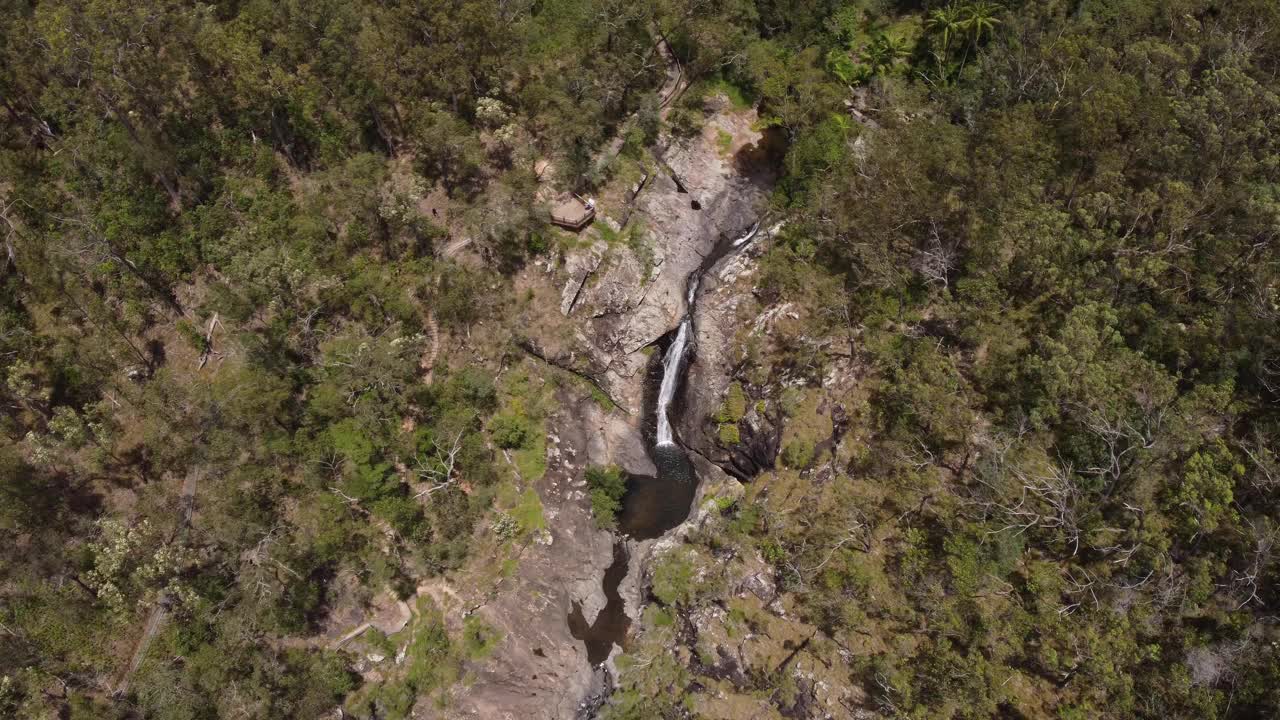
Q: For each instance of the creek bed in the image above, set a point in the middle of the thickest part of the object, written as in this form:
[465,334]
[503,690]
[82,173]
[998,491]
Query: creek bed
[653,505]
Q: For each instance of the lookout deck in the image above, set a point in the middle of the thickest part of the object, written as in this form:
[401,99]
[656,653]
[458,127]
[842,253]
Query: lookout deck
[572,213]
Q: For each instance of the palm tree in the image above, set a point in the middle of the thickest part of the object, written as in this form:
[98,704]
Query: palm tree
[948,21]
[884,51]
[980,18]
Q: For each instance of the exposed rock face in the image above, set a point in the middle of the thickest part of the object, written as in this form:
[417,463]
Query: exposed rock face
[723,320]
[579,267]
[540,672]
[618,300]
[634,300]
[621,290]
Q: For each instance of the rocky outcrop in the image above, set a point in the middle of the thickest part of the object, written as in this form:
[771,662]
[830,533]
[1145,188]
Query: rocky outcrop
[540,672]
[724,322]
[616,300]
[635,294]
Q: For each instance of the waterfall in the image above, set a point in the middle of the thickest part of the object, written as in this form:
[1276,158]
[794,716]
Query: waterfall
[748,236]
[674,359]
[670,378]
[671,364]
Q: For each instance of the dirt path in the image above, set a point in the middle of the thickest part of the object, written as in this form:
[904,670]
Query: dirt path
[672,87]
[676,82]
[186,507]
[428,361]
[455,247]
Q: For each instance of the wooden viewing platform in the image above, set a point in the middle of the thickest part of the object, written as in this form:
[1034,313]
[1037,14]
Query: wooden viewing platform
[571,212]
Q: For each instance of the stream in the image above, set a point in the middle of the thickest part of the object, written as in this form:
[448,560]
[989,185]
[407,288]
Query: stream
[654,505]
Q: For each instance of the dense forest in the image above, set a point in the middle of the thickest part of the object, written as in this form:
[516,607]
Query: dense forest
[1046,233]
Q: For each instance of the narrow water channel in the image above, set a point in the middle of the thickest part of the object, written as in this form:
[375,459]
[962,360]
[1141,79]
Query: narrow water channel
[653,506]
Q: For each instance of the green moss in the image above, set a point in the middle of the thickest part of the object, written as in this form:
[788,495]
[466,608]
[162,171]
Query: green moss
[734,406]
[728,434]
[724,141]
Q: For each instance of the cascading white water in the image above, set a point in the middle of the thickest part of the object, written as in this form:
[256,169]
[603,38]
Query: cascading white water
[748,236]
[672,361]
[671,366]
[670,378]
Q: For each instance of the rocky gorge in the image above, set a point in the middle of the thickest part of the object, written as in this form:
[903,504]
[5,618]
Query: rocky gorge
[566,609]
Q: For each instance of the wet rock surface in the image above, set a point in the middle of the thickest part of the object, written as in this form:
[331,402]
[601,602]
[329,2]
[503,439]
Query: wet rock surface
[629,307]
[615,303]
[723,320]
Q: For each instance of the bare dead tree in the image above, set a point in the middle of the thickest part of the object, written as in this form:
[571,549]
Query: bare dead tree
[858,531]
[1171,589]
[1247,581]
[1269,375]
[440,469]
[1267,477]
[1079,588]
[11,255]
[937,260]
[1048,501]
[1121,437]
[917,459]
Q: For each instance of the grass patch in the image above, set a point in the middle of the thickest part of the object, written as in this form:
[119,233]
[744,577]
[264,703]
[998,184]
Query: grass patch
[638,241]
[739,97]
[805,429]
[479,639]
[599,397]
[531,457]
[724,141]
[528,512]
[567,241]
[520,426]
[608,234]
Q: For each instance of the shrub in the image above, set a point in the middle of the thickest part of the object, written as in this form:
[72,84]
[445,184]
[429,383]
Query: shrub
[509,431]
[479,638]
[734,405]
[673,578]
[607,485]
[798,454]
